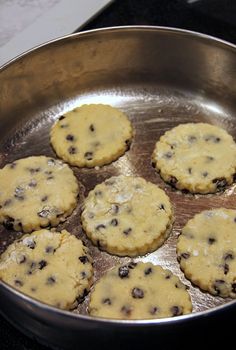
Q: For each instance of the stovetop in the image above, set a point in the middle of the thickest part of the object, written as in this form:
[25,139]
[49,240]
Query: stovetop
[213,17]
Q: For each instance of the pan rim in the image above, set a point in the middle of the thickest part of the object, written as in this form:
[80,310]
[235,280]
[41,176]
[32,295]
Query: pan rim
[195,34]
[74,316]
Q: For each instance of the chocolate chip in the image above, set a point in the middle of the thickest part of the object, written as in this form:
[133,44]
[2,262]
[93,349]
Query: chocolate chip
[44,213]
[137,293]
[7,202]
[9,223]
[92,128]
[211,240]
[72,150]
[34,170]
[51,280]
[99,227]
[132,265]
[44,198]
[153,310]
[212,138]
[98,193]
[88,155]
[51,162]
[33,289]
[205,174]
[147,271]
[42,264]
[114,222]
[168,155]
[61,117]
[217,285]
[127,310]
[32,183]
[12,165]
[83,274]
[162,207]
[84,259]
[49,249]
[31,244]
[220,183]
[127,231]
[18,283]
[172,180]
[210,158]
[185,255]
[63,126]
[114,209]
[233,285]
[48,172]
[50,177]
[19,197]
[226,268]
[22,259]
[168,276]
[192,138]
[123,271]
[176,310]
[70,137]
[234,219]
[228,256]
[106,301]
[190,170]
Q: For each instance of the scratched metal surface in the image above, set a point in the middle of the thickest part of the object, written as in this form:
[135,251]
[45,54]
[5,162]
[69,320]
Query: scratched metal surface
[152,105]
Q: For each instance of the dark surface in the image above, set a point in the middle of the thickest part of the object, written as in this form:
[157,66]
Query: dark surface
[217,18]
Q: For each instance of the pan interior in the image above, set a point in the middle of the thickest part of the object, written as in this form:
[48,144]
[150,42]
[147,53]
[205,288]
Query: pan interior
[152,109]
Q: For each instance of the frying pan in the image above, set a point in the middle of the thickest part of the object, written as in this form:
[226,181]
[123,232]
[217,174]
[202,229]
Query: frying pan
[160,77]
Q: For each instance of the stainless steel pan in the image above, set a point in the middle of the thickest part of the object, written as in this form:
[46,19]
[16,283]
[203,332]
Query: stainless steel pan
[160,77]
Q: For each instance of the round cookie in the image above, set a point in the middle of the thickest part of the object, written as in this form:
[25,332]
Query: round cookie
[127,215]
[200,158]
[36,192]
[139,291]
[206,251]
[91,135]
[52,267]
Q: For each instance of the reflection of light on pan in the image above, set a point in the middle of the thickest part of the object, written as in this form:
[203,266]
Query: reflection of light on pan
[212,107]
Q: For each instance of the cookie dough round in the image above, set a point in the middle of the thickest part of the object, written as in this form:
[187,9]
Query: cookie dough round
[52,267]
[139,291]
[206,251]
[200,158]
[36,192]
[127,215]
[91,135]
